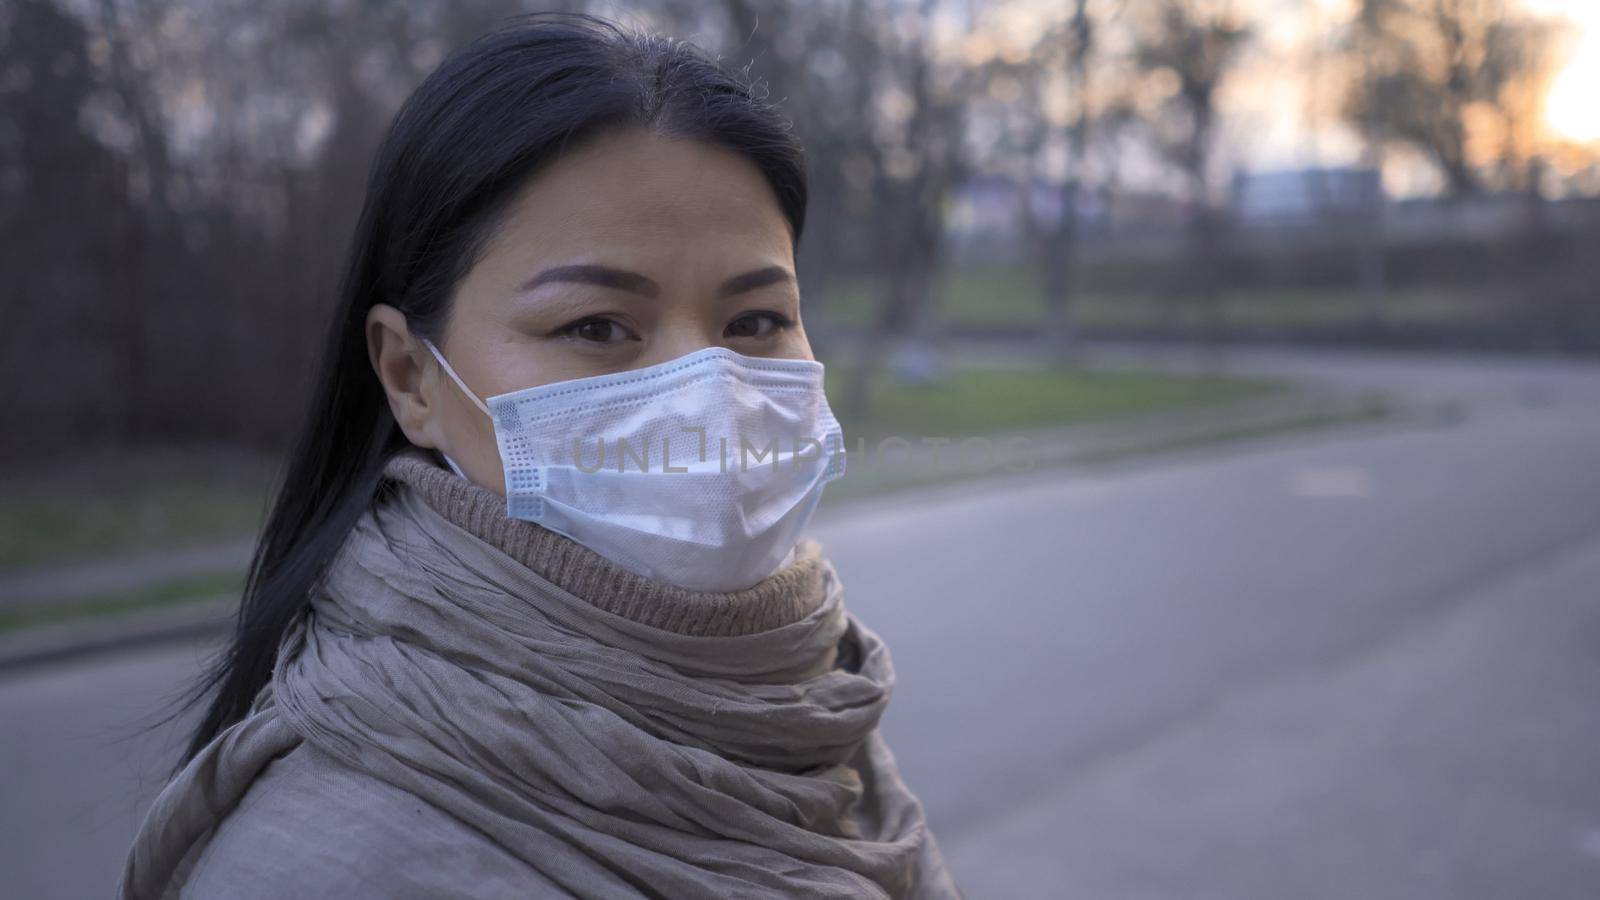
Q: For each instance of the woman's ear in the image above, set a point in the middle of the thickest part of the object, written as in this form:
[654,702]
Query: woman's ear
[401,363]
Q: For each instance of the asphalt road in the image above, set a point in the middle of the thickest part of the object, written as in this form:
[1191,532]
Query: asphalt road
[1357,664]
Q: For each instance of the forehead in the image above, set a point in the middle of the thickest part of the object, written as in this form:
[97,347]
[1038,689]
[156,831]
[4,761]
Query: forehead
[648,198]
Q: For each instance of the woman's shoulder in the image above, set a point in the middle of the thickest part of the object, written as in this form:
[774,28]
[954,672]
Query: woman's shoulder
[310,826]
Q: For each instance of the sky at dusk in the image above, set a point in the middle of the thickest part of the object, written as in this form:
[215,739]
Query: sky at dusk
[1270,122]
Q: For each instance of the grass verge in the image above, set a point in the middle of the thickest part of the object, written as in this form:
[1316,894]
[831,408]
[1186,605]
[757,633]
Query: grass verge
[165,594]
[1012,296]
[975,401]
[58,512]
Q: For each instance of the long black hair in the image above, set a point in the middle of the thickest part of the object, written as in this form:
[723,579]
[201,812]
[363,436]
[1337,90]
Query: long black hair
[480,125]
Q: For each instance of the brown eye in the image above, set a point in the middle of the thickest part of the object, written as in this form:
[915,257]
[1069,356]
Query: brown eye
[598,331]
[756,325]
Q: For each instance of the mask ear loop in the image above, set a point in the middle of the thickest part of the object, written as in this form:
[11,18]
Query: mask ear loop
[456,378]
[464,389]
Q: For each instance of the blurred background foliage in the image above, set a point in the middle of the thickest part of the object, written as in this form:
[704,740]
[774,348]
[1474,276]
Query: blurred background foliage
[178,182]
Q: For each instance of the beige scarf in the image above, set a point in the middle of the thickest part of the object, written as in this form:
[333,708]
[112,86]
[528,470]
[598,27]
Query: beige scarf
[615,736]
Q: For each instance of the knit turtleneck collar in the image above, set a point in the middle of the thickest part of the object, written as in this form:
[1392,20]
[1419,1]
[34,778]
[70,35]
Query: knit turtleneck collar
[789,595]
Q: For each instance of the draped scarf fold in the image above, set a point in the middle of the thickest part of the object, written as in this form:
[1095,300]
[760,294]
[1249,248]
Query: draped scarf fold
[611,757]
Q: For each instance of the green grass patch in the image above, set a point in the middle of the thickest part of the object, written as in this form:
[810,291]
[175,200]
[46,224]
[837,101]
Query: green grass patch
[42,531]
[974,401]
[1012,295]
[185,590]
[986,295]
[98,507]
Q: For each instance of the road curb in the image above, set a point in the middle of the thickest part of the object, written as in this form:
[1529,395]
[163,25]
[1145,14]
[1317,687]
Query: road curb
[1153,435]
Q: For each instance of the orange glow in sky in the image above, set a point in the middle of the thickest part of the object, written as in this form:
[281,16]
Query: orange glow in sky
[1572,108]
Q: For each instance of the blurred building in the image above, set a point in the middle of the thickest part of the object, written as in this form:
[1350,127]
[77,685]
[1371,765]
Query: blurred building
[985,216]
[1306,197]
[993,206]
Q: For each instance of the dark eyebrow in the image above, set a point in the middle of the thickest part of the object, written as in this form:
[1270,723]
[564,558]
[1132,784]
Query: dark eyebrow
[749,281]
[604,276]
[621,280]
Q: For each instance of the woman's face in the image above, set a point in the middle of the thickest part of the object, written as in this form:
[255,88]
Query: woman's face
[633,250]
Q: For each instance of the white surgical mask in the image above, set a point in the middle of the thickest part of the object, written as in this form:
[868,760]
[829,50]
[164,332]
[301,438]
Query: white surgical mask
[700,472]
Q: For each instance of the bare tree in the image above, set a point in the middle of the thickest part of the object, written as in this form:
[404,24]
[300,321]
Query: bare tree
[920,161]
[1426,70]
[1074,45]
[219,150]
[63,227]
[1192,45]
[1043,112]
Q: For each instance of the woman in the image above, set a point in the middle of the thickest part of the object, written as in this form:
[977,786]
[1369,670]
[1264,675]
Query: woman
[526,619]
